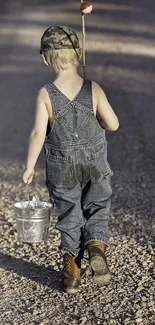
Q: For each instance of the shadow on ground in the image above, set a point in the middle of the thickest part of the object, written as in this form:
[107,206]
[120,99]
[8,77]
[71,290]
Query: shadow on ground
[30,270]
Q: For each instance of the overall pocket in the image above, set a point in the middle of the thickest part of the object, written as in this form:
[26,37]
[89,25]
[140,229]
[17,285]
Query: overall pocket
[59,171]
[99,166]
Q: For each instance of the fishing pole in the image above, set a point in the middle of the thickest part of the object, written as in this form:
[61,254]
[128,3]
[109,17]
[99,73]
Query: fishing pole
[86,8]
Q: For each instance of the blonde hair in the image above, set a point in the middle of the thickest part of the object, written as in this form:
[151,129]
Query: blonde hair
[62,59]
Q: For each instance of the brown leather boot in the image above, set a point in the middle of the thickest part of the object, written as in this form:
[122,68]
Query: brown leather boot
[71,273]
[98,262]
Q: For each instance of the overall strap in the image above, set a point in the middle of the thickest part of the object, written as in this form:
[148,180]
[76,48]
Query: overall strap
[60,102]
[85,99]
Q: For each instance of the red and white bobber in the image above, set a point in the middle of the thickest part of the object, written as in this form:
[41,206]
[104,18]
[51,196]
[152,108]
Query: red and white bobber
[86,7]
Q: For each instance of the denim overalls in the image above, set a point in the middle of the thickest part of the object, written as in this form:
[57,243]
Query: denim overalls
[77,172]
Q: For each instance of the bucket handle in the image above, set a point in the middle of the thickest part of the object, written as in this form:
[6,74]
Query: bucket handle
[27,193]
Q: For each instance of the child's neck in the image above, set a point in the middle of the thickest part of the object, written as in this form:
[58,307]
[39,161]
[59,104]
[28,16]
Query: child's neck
[67,74]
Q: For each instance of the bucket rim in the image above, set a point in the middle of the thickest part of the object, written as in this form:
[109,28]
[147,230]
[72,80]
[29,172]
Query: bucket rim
[48,205]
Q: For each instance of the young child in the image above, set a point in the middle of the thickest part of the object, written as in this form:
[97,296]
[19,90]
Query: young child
[77,172]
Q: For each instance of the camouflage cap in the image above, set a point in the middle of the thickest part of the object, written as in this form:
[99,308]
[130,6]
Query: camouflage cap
[59,37]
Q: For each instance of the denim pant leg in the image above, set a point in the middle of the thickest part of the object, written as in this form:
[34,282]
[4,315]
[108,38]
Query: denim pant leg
[70,217]
[96,203]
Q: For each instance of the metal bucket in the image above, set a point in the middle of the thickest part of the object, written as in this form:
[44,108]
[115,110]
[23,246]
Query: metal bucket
[32,223]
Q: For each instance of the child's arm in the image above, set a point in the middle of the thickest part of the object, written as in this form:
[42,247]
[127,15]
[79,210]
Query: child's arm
[37,136]
[108,119]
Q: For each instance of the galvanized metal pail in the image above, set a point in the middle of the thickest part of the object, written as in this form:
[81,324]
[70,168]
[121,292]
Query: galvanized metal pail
[32,223]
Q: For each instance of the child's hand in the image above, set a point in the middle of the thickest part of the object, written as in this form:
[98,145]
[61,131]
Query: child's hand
[28,176]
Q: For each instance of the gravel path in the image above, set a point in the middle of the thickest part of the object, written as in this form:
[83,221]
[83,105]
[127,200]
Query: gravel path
[121,57]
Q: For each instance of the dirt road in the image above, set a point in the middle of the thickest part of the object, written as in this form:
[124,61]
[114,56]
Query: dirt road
[121,58]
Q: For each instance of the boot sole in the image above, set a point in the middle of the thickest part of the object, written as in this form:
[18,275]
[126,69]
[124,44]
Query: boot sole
[101,274]
[71,291]
[70,288]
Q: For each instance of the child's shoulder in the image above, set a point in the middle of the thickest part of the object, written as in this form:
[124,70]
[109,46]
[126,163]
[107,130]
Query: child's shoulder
[97,89]
[42,96]
[43,92]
